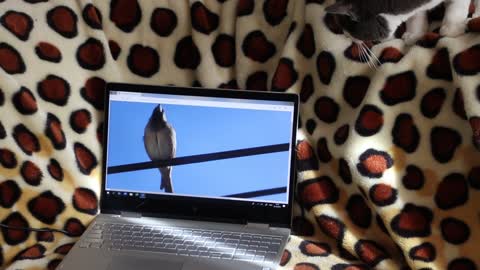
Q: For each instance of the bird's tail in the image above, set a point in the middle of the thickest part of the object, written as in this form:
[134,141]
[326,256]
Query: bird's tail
[166,182]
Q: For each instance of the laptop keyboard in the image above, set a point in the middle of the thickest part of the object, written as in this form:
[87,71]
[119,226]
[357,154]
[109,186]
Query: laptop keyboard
[184,241]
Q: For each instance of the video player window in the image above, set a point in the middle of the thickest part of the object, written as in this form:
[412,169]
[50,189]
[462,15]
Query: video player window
[221,149]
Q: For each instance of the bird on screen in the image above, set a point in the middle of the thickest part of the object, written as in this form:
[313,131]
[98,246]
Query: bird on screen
[160,143]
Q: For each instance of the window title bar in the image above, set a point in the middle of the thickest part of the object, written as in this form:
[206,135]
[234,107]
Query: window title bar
[202,101]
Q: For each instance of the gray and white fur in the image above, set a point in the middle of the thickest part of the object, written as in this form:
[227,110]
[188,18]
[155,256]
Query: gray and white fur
[377,20]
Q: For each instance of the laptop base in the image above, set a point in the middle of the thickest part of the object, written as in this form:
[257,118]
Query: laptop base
[118,257]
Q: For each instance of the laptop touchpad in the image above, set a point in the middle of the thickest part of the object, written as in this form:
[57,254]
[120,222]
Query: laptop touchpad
[131,262]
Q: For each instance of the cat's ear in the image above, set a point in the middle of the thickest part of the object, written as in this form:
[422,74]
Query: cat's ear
[340,7]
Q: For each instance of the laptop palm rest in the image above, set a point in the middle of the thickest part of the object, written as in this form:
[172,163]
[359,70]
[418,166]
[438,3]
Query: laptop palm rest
[137,262]
[219,265]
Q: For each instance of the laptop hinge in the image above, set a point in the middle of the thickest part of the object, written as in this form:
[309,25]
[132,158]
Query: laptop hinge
[130,214]
[257,225]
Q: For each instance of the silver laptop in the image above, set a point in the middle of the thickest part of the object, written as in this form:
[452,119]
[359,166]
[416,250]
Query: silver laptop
[192,179]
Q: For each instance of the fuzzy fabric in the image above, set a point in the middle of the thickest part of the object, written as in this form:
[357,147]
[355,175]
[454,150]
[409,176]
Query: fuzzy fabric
[388,157]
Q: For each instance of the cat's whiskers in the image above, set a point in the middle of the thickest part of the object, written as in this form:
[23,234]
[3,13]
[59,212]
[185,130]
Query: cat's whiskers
[370,56]
[378,62]
[362,56]
[360,53]
[365,55]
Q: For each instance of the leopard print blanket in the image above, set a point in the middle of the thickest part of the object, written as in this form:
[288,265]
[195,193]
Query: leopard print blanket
[388,157]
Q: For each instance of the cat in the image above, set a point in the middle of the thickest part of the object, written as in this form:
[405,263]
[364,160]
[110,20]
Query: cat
[377,20]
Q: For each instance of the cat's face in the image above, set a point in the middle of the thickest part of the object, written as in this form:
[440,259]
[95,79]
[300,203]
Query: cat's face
[361,22]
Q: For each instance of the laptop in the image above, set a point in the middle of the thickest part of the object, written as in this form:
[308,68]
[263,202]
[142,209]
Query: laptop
[192,178]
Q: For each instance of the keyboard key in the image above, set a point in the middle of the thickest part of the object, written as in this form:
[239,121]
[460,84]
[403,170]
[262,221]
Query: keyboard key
[260,252]
[183,252]
[226,256]
[157,239]
[232,241]
[94,240]
[192,248]
[209,243]
[273,247]
[106,246]
[108,242]
[264,248]
[270,256]
[84,244]
[240,251]
[222,245]
[259,258]
[225,250]
[193,253]
[150,244]
[94,236]
[161,250]
[95,245]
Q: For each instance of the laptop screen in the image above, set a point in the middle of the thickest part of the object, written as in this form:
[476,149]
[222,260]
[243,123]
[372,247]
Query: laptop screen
[216,148]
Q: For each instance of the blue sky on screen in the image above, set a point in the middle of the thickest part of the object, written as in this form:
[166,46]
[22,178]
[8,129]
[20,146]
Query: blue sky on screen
[202,130]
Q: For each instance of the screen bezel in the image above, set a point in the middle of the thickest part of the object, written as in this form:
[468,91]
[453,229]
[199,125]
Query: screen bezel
[200,208]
